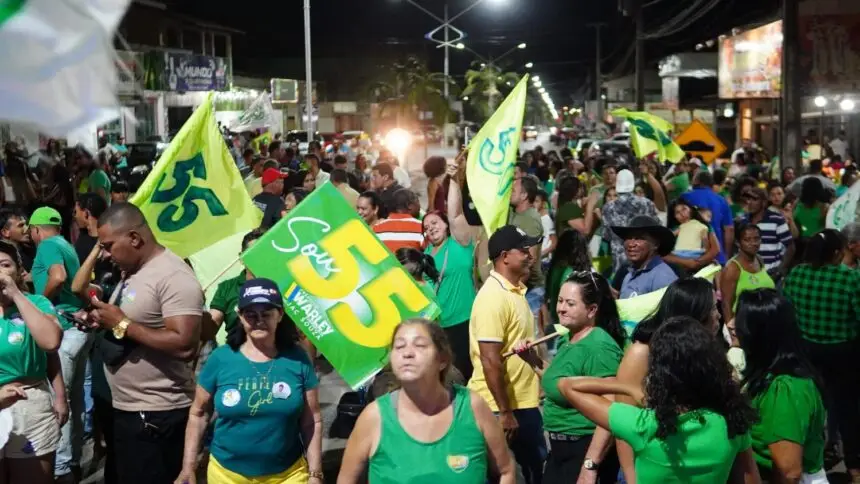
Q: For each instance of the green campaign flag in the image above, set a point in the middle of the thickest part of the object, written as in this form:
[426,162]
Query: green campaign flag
[341,285]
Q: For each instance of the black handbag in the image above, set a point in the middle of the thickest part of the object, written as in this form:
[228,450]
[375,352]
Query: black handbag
[115,352]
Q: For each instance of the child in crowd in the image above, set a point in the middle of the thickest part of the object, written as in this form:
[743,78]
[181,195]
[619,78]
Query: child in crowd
[692,232]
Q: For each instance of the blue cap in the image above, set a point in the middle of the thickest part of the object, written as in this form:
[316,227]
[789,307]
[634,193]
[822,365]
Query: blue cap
[260,291]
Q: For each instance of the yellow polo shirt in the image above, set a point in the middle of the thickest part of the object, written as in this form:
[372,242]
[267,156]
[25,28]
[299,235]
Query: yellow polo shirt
[501,314]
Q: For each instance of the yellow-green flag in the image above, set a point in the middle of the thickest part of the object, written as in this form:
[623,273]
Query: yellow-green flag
[649,134]
[492,156]
[195,196]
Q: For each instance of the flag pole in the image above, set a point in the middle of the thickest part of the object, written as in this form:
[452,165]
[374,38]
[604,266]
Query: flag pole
[221,274]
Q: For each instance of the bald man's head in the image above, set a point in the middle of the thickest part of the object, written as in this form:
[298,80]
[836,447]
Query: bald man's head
[123,216]
[126,237]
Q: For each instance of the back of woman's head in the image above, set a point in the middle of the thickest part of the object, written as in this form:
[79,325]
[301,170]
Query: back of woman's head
[568,190]
[688,371]
[691,297]
[572,250]
[417,264]
[594,289]
[435,166]
[811,191]
[824,248]
[768,334]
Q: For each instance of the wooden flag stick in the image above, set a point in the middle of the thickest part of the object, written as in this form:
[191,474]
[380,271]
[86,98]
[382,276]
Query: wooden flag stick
[538,341]
[224,271]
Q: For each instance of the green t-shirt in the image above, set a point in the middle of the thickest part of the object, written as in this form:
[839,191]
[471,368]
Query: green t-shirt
[20,356]
[529,222]
[57,251]
[98,179]
[456,290]
[790,409]
[568,211]
[597,355]
[810,220]
[259,406]
[227,298]
[680,184]
[700,452]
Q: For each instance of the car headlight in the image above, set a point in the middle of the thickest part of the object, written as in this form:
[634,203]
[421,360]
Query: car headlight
[398,140]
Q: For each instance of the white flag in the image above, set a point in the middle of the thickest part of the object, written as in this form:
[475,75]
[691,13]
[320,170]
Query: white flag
[259,115]
[57,67]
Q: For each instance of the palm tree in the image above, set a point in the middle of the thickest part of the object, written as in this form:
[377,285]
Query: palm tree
[408,86]
[486,86]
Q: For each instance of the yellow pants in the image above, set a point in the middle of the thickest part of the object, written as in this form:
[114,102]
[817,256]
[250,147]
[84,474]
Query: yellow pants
[296,474]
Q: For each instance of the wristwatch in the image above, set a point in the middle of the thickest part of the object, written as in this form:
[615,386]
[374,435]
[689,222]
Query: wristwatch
[590,464]
[120,329]
[317,474]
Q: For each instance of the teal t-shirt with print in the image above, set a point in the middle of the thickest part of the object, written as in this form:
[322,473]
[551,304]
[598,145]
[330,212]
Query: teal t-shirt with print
[20,356]
[456,290]
[259,407]
[57,251]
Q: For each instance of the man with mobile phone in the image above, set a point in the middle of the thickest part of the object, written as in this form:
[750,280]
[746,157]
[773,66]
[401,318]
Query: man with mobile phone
[54,268]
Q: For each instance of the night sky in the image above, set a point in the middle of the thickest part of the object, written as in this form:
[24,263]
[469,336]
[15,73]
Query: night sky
[560,44]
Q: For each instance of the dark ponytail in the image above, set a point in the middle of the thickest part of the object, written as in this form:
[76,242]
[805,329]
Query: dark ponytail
[822,248]
[418,264]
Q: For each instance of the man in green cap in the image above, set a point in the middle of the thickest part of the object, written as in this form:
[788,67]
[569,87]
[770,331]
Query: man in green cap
[54,268]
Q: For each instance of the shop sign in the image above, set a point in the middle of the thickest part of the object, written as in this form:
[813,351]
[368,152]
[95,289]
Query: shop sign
[187,73]
[751,63]
[284,90]
[699,140]
[830,53]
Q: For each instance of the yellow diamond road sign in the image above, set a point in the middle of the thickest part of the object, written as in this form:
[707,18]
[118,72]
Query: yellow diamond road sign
[699,140]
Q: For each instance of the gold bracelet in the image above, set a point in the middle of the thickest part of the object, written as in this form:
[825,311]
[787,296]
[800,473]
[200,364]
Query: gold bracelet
[317,474]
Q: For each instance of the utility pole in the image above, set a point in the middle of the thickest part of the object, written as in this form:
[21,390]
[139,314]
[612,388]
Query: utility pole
[309,102]
[790,103]
[447,60]
[598,74]
[640,55]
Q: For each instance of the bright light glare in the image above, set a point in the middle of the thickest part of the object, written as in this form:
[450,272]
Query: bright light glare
[483,65]
[460,45]
[522,45]
[820,101]
[542,90]
[538,84]
[846,105]
[536,79]
[728,112]
[529,65]
[398,140]
[465,98]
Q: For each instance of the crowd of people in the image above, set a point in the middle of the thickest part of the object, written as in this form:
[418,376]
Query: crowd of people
[105,333]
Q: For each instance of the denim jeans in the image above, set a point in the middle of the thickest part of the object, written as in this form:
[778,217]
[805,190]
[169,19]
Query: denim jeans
[89,405]
[535,297]
[74,353]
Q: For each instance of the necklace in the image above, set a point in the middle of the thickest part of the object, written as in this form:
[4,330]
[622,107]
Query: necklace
[264,379]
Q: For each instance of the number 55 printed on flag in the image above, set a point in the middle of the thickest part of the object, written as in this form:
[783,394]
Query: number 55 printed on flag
[340,284]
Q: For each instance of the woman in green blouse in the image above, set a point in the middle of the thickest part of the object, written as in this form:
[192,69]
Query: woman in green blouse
[29,338]
[788,438]
[451,243]
[593,349]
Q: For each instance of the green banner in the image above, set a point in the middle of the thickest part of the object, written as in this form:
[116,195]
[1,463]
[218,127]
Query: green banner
[341,285]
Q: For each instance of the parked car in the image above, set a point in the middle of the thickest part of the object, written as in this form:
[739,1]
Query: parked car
[530,133]
[301,137]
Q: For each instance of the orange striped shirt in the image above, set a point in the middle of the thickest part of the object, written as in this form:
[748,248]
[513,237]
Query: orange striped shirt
[400,230]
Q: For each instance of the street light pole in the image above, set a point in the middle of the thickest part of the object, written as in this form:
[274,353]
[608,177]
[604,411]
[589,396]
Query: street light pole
[447,59]
[309,102]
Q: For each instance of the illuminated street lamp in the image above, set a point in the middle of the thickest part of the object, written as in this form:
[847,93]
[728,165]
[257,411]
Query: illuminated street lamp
[522,45]
[820,101]
[529,65]
[846,105]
